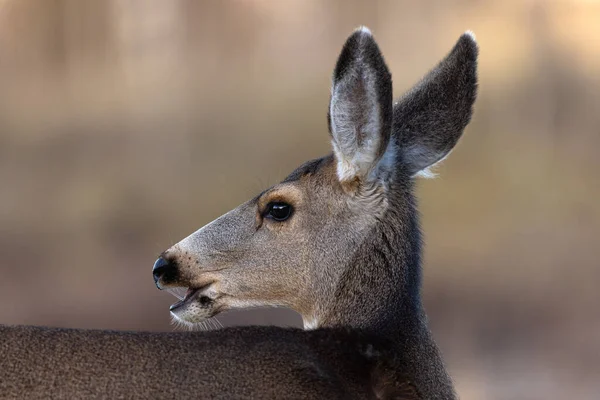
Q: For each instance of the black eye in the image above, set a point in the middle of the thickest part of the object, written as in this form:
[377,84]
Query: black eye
[279,211]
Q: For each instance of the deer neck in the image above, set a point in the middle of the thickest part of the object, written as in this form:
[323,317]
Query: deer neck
[379,291]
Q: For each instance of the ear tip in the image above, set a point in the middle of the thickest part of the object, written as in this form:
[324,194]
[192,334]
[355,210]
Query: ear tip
[359,51]
[468,44]
[363,30]
[361,35]
[469,34]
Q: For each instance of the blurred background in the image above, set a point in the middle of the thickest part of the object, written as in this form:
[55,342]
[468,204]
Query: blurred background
[126,125]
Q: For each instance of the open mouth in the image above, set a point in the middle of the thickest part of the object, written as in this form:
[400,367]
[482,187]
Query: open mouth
[187,295]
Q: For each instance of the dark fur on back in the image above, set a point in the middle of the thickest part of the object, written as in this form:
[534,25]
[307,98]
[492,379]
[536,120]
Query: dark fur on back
[232,363]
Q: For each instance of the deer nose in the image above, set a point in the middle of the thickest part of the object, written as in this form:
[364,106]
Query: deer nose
[163,271]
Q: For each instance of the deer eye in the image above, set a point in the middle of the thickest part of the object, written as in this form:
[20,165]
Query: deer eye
[279,211]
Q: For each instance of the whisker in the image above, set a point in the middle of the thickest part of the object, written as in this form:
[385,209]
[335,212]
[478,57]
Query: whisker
[211,324]
[178,292]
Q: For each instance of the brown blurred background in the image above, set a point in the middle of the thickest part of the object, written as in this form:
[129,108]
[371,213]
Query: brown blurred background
[126,125]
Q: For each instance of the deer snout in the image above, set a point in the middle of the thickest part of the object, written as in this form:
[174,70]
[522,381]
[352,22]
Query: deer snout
[164,271]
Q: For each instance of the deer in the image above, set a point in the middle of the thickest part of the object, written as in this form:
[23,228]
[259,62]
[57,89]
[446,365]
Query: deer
[338,241]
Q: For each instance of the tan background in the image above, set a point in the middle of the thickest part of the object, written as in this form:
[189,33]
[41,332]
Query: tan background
[125,125]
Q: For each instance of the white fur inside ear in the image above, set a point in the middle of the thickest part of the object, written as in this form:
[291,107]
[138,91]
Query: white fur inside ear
[355,124]
[357,165]
[346,170]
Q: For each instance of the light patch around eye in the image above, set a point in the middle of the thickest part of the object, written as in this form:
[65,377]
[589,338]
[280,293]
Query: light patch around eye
[286,193]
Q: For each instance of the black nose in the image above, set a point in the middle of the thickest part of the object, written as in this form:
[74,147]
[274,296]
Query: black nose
[163,271]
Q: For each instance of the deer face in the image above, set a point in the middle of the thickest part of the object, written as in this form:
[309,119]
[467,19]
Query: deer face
[278,249]
[291,244]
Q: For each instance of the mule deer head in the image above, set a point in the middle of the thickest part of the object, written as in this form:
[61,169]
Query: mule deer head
[338,239]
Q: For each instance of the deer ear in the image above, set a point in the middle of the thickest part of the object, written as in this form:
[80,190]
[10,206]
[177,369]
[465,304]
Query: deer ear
[430,118]
[360,111]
